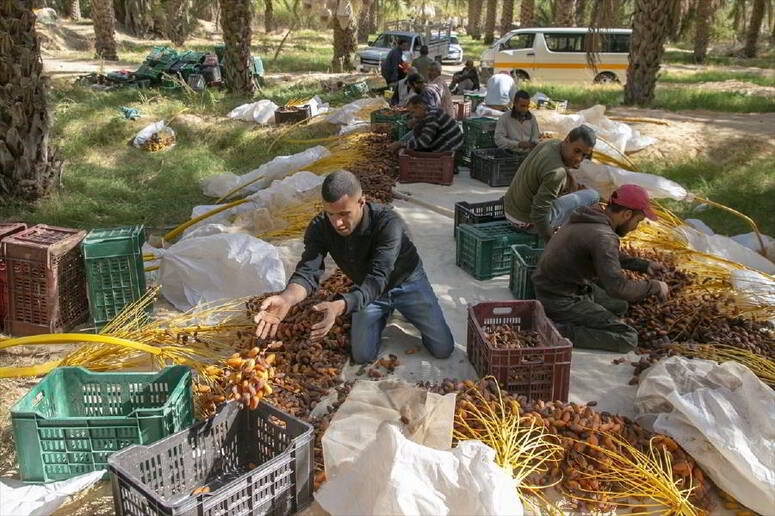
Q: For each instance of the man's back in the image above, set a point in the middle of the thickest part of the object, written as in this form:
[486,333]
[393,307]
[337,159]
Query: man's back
[543,164]
[423,64]
[500,90]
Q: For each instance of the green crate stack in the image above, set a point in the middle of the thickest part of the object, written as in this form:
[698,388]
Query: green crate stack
[523,263]
[115,274]
[74,419]
[478,133]
[484,250]
[357,89]
[396,120]
[475,98]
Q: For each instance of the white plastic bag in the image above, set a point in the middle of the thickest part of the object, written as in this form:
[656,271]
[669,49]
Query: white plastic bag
[22,499]
[724,247]
[277,168]
[149,130]
[752,290]
[349,113]
[219,266]
[751,241]
[723,416]
[606,178]
[261,112]
[396,476]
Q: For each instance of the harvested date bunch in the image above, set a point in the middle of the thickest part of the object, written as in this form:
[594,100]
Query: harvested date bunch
[377,168]
[320,424]
[505,336]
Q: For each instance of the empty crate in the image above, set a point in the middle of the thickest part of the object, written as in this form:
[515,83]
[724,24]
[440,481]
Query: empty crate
[6,229]
[484,250]
[478,212]
[496,167]
[523,264]
[437,168]
[478,133]
[46,280]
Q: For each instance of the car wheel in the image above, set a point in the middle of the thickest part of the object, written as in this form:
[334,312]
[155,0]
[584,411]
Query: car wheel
[520,75]
[606,78]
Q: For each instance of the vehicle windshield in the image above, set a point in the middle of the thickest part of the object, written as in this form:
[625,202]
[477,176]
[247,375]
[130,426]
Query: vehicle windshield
[388,40]
[454,40]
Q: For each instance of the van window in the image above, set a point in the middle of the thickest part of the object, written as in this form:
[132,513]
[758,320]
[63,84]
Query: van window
[616,43]
[388,40]
[519,41]
[559,42]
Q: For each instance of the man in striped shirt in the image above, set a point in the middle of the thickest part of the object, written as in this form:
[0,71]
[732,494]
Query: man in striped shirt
[434,130]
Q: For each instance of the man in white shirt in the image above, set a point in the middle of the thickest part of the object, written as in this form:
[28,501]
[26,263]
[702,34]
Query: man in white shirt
[501,89]
[437,81]
[517,129]
[403,91]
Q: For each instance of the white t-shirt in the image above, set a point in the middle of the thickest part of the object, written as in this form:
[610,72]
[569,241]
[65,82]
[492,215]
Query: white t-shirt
[501,89]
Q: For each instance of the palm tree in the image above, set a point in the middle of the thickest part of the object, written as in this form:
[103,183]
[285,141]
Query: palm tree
[702,25]
[581,7]
[268,16]
[507,16]
[754,27]
[364,15]
[527,13]
[344,25]
[73,9]
[178,23]
[136,16]
[28,164]
[104,29]
[565,13]
[652,23]
[236,17]
[474,27]
[489,21]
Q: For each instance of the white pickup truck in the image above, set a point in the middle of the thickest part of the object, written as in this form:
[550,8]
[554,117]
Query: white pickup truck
[370,59]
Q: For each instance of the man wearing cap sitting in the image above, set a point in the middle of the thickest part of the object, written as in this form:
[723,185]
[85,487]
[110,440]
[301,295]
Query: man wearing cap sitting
[432,129]
[583,254]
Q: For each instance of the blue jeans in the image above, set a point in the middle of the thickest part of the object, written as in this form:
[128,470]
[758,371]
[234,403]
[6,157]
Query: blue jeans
[562,207]
[416,301]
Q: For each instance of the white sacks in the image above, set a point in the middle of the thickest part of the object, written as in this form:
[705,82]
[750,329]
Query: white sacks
[723,416]
[261,112]
[606,178]
[217,267]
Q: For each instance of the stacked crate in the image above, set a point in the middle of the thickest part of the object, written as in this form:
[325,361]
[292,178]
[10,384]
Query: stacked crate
[6,229]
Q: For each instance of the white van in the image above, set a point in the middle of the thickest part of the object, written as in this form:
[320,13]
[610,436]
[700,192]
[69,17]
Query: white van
[559,55]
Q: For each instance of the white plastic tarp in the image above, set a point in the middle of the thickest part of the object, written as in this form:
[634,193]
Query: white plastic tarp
[606,178]
[349,113]
[724,247]
[723,416]
[261,177]
[219,266]
[261,112]
[751,241]
[20,499]
[394,475]
[752,289]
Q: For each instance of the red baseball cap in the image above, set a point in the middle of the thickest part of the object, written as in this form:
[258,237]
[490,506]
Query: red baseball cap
[633,197]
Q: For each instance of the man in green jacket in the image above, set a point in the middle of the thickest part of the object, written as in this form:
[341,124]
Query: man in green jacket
[423,63]
[543,193]
[579,278]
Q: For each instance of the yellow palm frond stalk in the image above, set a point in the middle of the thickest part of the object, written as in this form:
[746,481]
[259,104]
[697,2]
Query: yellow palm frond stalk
[641,480]
[295,219]
[762,366]
[522,446]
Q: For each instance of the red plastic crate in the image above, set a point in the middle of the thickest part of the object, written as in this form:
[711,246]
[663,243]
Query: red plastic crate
[6,229]
[537,373]
[46,280]
[462,109]
[437,168]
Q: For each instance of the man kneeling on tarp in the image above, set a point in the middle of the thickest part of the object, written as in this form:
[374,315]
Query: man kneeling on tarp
[370,244]
[587,249]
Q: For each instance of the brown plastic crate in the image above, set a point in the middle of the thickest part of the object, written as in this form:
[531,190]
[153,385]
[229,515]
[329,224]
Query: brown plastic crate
[6,229]
[46,280]
[462,109]
[437,168]
[537,373]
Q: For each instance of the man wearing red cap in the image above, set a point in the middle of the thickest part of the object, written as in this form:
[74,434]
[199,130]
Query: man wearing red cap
[579,278]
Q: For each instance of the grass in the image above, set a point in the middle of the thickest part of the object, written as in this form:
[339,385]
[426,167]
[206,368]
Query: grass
[682,57]
[716,76]
[740,175]
[107,182]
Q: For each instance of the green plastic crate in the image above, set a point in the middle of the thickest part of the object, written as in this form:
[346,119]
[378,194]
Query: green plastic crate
[115,274]
[475,98]
[395,120]
[74,419]
[523,263]
[478,133]
[484,250]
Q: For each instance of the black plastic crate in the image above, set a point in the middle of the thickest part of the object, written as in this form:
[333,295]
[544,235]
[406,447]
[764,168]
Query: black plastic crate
[251,462]
[478,212]
[496,167]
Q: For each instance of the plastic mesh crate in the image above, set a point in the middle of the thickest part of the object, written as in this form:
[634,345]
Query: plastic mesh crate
[462,108]
[253,462]
[537,373]
[389,121]
[114,270]
[478,213]
[46,280]
[71,421]
[496,167]
[437,168]
[484,250]
[475,99]
[6,229]
[523,264]
[478,133]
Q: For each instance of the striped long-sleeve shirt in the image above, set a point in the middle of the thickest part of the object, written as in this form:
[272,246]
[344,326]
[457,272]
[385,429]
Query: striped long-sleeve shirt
[437,132]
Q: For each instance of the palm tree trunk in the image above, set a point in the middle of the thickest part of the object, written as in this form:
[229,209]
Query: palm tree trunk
[268,16]
[489,21]
[73,9]
[344,37]
[178,23]
[28,164]
[475,18]
[565,13]
[527,13]
[702,24]
[236,17]
[363,21]
[581,7]
[372,27]
[104,29]
[754,27]
[507,16]
[652,23]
